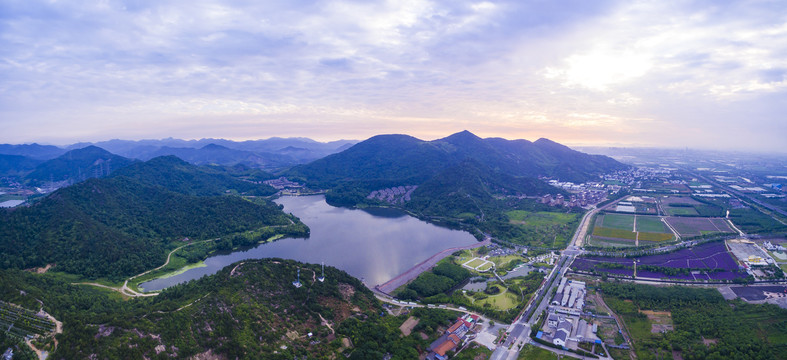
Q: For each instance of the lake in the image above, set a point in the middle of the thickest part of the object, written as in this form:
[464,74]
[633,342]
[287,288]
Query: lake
[373,245]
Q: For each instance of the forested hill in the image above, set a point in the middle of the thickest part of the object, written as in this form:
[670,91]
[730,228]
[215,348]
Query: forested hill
[248,310]
[179,176]
[470,188]
[120,226]
[78,165]
[406,159]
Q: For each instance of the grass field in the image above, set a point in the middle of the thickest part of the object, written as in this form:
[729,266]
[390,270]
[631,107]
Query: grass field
[619,221]
[485,267]
[531,352]
[502,261]
[619,354]
[540,217]
[475,262]
[672,211]
[651,224]
[503,301]
[474,352]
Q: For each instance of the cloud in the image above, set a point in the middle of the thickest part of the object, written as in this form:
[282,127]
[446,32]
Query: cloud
[606,70]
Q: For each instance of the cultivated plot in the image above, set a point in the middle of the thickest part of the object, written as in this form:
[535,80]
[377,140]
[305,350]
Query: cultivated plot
[695,226]
[710,261]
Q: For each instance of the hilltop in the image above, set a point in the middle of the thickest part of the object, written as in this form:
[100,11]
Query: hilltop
[77,165]
[407,159]
[124,224]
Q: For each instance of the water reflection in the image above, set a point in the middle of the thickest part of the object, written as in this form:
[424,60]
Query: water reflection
[373,245]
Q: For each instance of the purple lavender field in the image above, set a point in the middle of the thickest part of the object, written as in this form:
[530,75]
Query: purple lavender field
[709,261]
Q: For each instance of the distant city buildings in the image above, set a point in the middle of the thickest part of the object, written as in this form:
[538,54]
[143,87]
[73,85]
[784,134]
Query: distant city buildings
[282,183]
[394,195]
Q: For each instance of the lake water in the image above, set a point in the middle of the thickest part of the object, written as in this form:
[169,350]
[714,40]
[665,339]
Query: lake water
[373,245]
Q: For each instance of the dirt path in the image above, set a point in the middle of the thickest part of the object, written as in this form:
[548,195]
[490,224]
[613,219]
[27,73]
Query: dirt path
[584,226]
[169,257]
[127,291]
[621,325]
[58,330]
[326,323]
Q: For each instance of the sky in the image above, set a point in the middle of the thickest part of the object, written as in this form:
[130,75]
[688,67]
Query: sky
[697,74]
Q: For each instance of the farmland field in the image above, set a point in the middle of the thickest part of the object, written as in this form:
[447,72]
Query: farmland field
[672,211]
[617,230]
[614,233]
[656,237]
[540,217]
[651,224]
[21,322]
[619,221]
[709,261]
[687,226]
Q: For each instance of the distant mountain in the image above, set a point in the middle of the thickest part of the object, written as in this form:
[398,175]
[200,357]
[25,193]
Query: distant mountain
[35,151]
[222,155]
[78,165]
[17,165]
[270,154]
[407,159]
[179,176]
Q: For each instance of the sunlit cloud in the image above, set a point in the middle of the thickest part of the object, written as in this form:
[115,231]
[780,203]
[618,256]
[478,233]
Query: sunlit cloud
[573,71]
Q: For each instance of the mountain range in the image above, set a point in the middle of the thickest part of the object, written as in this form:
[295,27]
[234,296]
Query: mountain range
[269,154]
[410,160]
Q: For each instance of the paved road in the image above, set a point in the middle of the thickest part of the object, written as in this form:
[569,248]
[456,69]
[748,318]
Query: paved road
[519,331]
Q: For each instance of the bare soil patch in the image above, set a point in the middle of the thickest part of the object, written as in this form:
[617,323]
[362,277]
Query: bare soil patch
[408,325]
[661,321]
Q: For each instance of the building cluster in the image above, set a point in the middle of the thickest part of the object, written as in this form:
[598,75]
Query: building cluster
[770,246]
[582,198]
[570,297]
[452,338]
[497,250]
[282,183]
[751,255]
[563,323]
[394,195]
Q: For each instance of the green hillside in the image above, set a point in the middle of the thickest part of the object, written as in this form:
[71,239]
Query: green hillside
[179,176]
[407,159]
[78,165]
[122,225]
[470,188]
[16,165]
[248,310]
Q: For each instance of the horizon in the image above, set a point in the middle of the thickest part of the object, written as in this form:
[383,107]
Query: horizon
[579,147]
[657,75]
